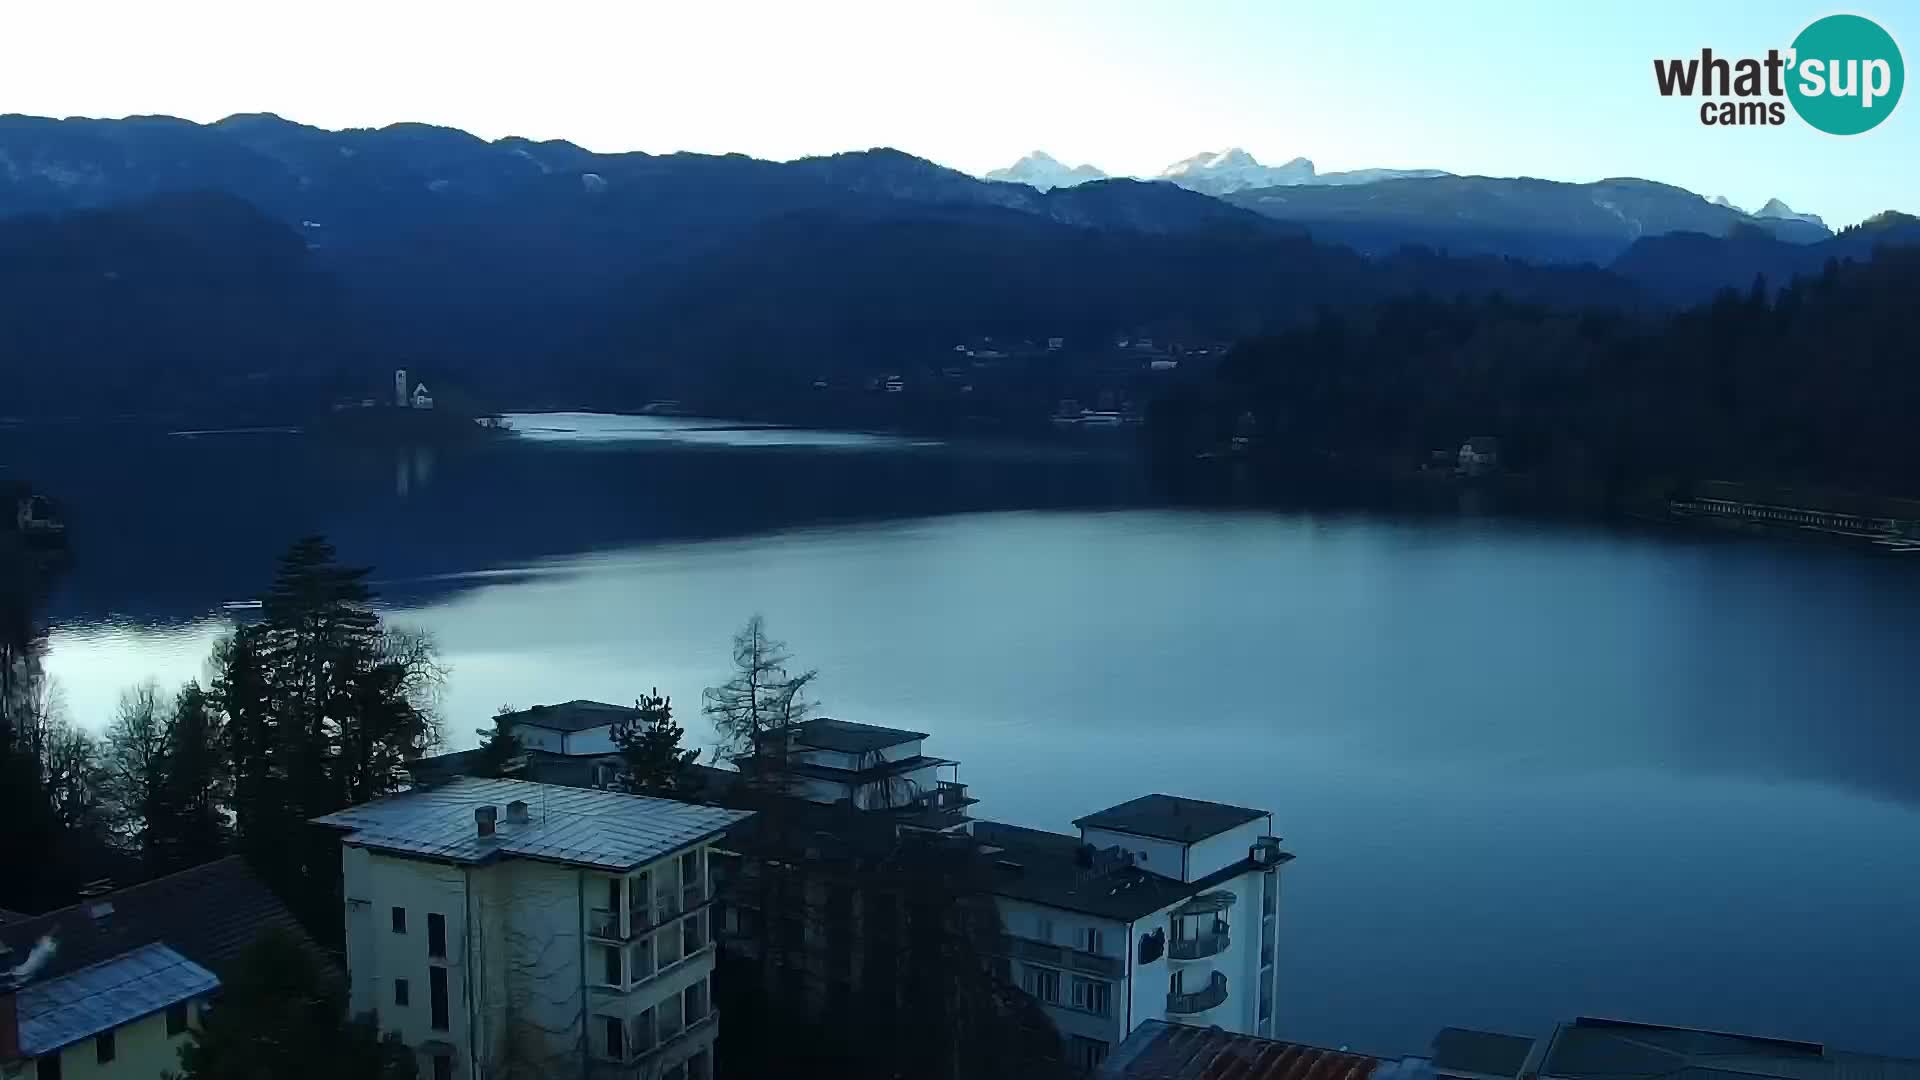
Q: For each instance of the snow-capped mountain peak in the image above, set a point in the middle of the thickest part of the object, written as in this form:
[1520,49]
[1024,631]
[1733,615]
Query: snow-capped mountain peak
[1042,171]
[1216,172]
[1781,211]
[1233,169]
[1723,201]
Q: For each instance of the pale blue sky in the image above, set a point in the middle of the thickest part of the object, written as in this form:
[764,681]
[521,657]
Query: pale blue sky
[1498,87]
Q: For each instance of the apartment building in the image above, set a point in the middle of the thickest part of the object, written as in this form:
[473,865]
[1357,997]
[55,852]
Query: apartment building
[506,928]
[1161,908]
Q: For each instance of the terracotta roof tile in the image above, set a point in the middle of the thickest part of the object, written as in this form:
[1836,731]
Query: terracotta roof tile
[1161,1051]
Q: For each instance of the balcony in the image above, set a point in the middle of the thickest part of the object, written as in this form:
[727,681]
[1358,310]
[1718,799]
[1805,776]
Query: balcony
[1060,956]
[1198,1001]
[692,897]
[1210,943]
[666,904]
[604,924]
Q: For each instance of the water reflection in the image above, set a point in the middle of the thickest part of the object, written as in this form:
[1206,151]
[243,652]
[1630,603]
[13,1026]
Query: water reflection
[1530,771]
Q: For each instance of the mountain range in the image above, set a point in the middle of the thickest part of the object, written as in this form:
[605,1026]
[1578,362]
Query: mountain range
[1212,173]
[540,269]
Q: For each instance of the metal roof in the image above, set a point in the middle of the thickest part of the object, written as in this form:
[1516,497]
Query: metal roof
[1482,1053]
[1618,1049]
[1048,868]
[1158,1050]
[847,737]
[94,999]
[582,827]
[1170,817]
[210,913]
[576,715]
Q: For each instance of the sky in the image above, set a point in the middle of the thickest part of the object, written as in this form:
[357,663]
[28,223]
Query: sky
[1493,87]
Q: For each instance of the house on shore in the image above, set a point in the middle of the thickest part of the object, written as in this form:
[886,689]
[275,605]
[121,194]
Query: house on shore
[504,928]
[110,987]
[1479,456]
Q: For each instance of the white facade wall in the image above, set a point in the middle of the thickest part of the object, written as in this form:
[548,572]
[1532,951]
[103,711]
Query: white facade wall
[597,740]
[1140,992]
[380,956]
[539,738]
[1223,850]
[522,968]
[1057,926]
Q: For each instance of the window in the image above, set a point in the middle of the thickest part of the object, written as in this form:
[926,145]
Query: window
[690,940]
[1093,995]
[1087,1053]
[640,958]
[400,994]
[436,934]
[616,1038]
[1093,941]
[643,1031]
[47,1068]
[613,895]
[176,1019]
[700,1066]
[611,974]
[696,1007]
[1174,983]
[1043,983]
[690,875]
[442,1067]
[103,1047]
[399,920]
[437,995]
[1043,929]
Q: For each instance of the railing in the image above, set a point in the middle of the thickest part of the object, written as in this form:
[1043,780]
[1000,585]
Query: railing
[603,924]
[1200,1000]
[1060,956]
[1211,943]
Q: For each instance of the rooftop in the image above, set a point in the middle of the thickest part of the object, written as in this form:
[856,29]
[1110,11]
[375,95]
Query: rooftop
[578,826]
[1050,868]
[56,1012]
[1618,1050]
[577,715]
[208,914]
[1464,1051]
[1170,817]
[847,737]
[1158,1050]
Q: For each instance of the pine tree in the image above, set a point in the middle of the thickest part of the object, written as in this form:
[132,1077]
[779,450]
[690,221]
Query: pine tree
[190,823]
[281,1016]
[649,744]
[498,744]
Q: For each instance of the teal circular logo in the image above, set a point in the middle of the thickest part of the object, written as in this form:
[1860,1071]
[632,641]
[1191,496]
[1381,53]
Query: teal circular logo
[1846,74]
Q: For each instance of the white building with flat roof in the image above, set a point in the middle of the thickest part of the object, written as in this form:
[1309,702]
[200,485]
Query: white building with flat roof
[506,928]
[1162,908]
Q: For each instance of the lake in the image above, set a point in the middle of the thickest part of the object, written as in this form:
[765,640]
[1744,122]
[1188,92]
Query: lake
[1529,770]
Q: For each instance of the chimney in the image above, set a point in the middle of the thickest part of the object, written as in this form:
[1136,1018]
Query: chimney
[483,819]
[517,812]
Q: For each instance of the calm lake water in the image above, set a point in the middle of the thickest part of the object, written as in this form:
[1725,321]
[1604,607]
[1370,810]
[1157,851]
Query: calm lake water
[1530,771]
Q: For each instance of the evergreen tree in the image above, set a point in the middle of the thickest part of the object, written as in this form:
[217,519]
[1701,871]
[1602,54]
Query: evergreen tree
[281,1016]
[498,744]
[649,743]
[190,822]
